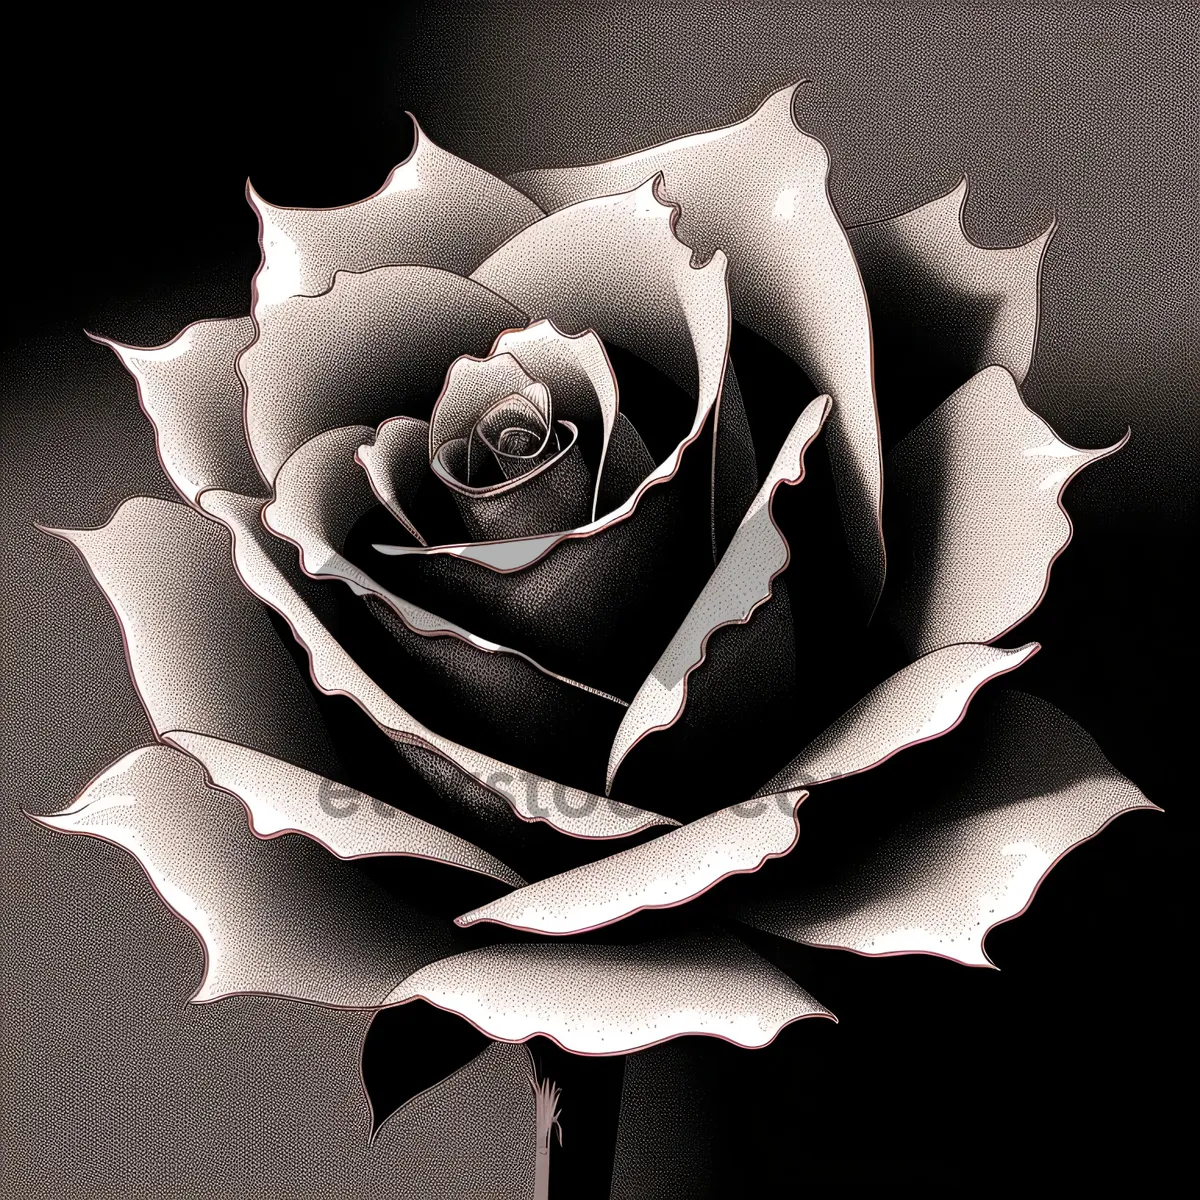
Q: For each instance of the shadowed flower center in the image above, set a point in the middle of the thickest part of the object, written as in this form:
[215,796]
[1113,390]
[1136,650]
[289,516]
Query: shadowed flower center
[513,468]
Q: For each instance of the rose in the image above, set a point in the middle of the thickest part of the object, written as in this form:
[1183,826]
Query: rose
[431,401]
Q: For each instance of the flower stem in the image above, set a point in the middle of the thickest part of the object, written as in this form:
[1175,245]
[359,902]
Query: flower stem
[546,1095]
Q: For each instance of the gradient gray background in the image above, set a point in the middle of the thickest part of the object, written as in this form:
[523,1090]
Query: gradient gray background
[131,148]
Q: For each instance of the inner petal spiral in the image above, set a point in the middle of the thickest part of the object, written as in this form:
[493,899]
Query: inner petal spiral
[514,465]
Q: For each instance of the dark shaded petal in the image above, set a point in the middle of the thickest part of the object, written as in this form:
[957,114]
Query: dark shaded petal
[547,490]
[319,497]
[741,583]
[474,385]
[279,917]
[938,885]
[942,306]
[663,873]
[396,465]
[335,672]
[923,701]
[282,798]
[627,463]
[434,209]
[977,496]
[191,391]
[757,189]
[593,999]
[582,386]
[373,345]
[472,1134]
[582,608]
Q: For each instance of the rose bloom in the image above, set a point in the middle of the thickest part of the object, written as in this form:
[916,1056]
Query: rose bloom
[496,550]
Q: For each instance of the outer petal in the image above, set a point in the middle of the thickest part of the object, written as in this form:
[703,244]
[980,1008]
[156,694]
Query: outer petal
[190,390]
[281,798]
[979,486]
[614,999]
[568,810]
[950,296]
[741,583]
[663,873]
[279,917]
[202,652]
[919,703]
[613,265]
[371,345]
[758,190]
[1040,788]
[472,1134]
[434,209]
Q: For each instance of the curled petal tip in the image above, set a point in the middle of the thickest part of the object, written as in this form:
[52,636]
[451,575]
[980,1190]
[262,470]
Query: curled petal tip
[1118,445]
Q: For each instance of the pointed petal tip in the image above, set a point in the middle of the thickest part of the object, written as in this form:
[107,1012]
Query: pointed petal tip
[68,535]
[49,820]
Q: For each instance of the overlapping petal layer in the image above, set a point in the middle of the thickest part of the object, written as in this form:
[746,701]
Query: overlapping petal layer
[952,873]
[945,295]
[668,871]
[741,583]
[396,464]
[191,391]
[757,190]
[613,999]
[979,496]
[373,345]
[281,916]
[569,810]
[282,798]
[614,266]
[580,378]
[202,652]
[923,701]
[434,210]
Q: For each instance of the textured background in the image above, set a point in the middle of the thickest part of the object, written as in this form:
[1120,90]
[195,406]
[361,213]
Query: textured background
[128,148]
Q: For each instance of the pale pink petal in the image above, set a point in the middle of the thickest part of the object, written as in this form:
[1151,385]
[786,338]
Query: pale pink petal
[979,486]
[395,464]
[758,191]
[616,999]
[190,390]
[668,871]
[434,210]
[740,585]
[1040,788]
[282,798]
[279,917]
[921,702]
[923,266]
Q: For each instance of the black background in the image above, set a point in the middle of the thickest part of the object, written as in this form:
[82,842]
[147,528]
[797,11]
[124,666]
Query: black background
[128,146]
